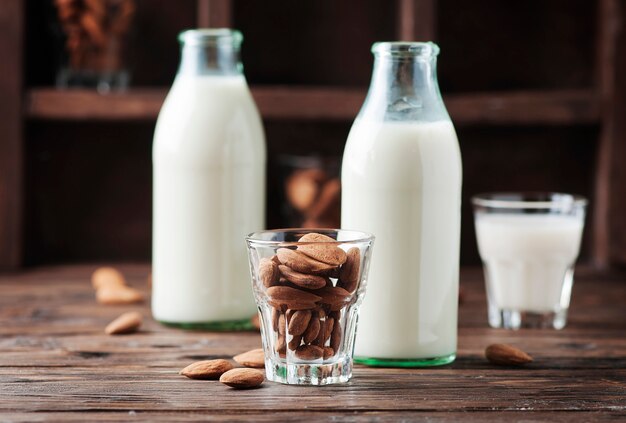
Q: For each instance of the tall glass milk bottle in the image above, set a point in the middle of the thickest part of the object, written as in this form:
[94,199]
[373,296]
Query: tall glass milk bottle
[209,187]
[401,181]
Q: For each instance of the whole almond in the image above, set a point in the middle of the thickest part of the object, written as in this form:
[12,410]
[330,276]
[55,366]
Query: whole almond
[322,248]
[118,295]
[349,273]
[312,330]
[282,324]
[275,318]
[335,296]
[328,329]
[243,378]
[126,323]
[107,276]
[328,353]
[506,355]
[335,337]
[303,280]
[206,369]
[268,272]
[253,358]
[256,321]
[280,346]
[292,298]
[299,322]
[295,342]
[300,262]
[309,352]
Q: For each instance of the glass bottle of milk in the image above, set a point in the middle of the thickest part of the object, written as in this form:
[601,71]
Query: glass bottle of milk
[209,187]
[401,181]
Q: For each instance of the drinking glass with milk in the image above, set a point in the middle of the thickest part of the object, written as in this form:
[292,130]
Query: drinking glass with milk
[401,181]
[209,187]
[528,243]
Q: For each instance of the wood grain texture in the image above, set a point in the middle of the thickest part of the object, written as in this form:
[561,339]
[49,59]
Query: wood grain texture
[11,40]
[56,363]
[417,20]
[570,107]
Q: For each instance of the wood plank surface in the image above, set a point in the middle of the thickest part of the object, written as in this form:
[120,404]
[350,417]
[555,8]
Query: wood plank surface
[569,107]
[57,364]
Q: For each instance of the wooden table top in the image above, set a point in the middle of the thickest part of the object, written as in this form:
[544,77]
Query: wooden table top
[56,363]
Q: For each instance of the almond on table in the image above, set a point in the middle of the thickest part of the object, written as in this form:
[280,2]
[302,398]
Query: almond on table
[126,323]
[207,369]
[243,378]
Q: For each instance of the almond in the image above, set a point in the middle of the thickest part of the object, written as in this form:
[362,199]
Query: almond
[328,329]
[302,187]
[322,248]
[309,352]
[268,272]
[256,321]
[506,355]
[328,353]
[118,295]
[206,369]
[292,298]
[107,276]
[312,330]
[275,317]
[281,324]
[349,273]
[126,323]
[336,297]
[300,262]
[252,358]
[299,322]
[280,346]
[301,279]
[243,378]
[295,342]
[336,336]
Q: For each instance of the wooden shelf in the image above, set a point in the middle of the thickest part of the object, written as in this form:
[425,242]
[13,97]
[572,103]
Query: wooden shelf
[569,107]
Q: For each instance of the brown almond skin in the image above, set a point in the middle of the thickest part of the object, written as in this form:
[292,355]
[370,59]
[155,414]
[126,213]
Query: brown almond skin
[243,378]
[253,358]
[295,342]
[349,273]
[281,324]
[328,353]
[126,323]
[336,297]
[275,318]
[268,272]
[107,276]
[302,263]
[299,322]
[280,346]
[111,295]
[312,330]
[330,324]
[302,280]
[309,352]
[291,297]
[335,336]
[207,369]
[506,355]
[322,250]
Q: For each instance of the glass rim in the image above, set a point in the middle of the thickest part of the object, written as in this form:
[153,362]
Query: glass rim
[528,200]
[360,236]
[417,49]
[210,36]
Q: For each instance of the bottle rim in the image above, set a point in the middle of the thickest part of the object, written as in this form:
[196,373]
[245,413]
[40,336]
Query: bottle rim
[426,49]
[211,36]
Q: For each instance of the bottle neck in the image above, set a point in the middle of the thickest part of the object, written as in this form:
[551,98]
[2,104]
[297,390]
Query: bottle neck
[213,59]
[404,87]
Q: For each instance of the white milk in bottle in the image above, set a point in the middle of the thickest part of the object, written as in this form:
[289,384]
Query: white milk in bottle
[209,187]
[401,181]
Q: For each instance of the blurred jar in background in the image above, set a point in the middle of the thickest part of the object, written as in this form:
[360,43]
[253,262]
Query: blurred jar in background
[311,191]
[95,35]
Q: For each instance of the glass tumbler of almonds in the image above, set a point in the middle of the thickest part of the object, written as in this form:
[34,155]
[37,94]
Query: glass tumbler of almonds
[308,285]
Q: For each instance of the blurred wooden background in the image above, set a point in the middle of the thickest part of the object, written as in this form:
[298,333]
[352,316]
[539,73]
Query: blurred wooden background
[537,90]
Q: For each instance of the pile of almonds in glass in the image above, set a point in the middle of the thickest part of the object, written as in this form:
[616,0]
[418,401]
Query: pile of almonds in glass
[306,303]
